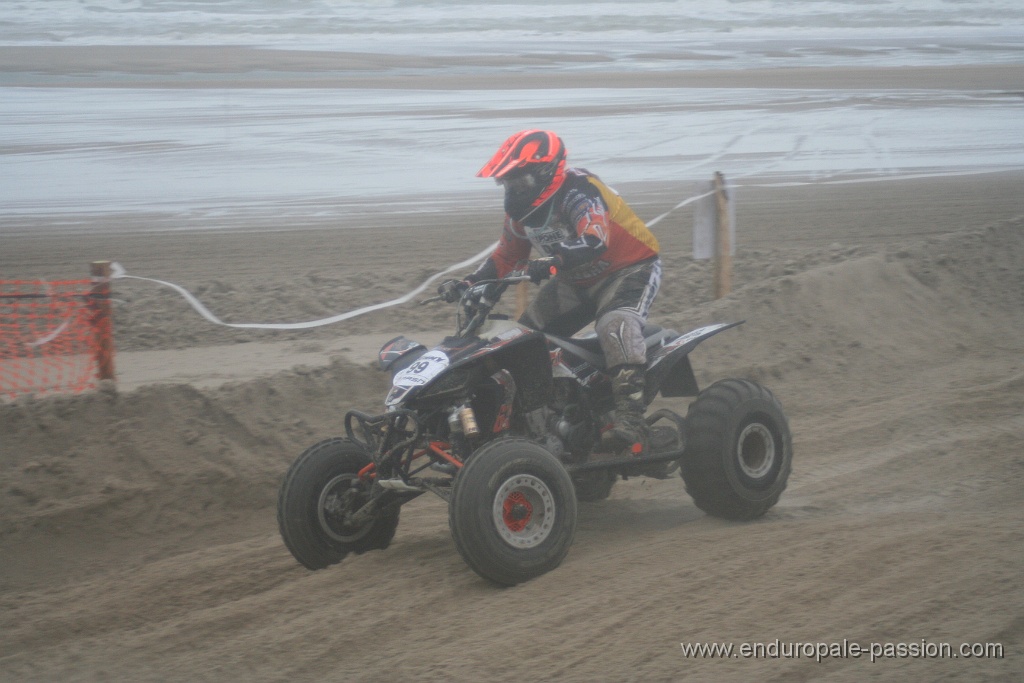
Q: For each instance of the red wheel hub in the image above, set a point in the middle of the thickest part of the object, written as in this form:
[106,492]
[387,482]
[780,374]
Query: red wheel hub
[516,511]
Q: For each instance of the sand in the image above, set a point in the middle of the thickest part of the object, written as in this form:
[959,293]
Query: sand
[237,66]
[138,539]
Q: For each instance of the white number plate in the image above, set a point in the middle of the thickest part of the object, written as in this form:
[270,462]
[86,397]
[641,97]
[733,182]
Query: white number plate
[426,368]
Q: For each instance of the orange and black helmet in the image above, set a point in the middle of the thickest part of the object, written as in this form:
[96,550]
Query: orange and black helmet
[530,165]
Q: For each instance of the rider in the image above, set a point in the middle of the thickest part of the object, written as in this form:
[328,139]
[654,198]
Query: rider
[602,260]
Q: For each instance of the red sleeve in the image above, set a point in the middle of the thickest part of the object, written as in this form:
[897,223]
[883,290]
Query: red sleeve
[512,250]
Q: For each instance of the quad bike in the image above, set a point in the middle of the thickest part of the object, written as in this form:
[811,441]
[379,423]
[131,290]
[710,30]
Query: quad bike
[504,423]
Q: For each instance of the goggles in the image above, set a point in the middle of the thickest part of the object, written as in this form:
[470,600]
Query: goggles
[518,183]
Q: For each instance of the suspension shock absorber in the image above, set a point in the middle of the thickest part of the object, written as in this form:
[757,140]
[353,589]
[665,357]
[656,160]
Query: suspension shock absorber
[468,420]
[462,420]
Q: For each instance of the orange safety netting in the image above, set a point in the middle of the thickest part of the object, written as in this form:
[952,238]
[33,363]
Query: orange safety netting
[52,335]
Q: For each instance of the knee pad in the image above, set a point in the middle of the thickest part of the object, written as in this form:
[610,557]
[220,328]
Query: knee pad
[621,336]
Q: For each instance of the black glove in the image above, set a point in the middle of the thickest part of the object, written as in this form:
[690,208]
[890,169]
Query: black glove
[451,290]
[543,268]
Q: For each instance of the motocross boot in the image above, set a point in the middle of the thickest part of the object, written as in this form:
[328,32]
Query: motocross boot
[629,428]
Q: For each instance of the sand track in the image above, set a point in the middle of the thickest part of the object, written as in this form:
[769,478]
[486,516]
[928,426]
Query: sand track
[139,541]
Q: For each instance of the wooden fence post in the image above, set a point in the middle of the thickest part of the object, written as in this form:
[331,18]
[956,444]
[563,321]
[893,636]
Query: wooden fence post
[723,243]
[102,322]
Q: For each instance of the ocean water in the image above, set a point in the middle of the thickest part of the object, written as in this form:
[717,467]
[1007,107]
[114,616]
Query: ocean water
[210,151]
[716,32]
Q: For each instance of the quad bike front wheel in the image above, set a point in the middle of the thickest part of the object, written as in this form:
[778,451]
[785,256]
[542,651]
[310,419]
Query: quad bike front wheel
[320,491]
[739,450]
[512,512]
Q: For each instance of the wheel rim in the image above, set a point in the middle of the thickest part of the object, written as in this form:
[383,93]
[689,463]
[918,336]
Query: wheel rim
[337,499]
[524,511]
[755,450]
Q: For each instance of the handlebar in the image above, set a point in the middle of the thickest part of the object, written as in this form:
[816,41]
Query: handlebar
[511,279]
[478,300]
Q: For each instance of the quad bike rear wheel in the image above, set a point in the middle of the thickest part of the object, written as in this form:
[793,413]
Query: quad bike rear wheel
[321,487]
[739,450]
[512,512]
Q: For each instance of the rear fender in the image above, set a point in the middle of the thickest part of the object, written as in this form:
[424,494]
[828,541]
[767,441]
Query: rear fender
[668,366]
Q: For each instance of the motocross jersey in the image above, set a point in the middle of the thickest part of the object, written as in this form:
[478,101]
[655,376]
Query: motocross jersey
[587,224]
